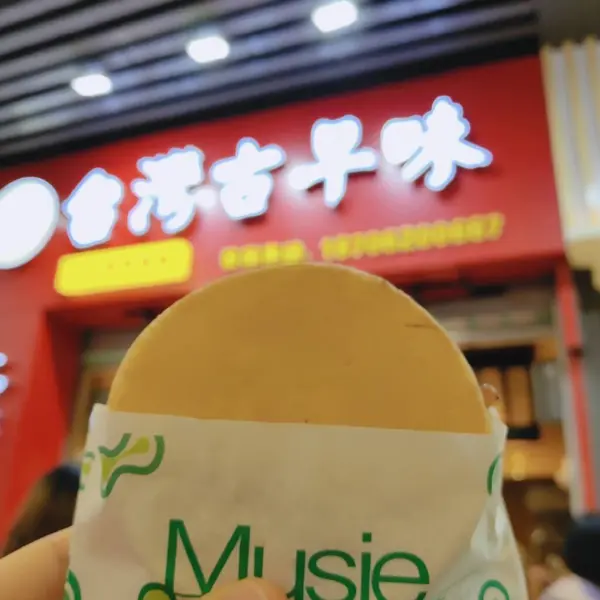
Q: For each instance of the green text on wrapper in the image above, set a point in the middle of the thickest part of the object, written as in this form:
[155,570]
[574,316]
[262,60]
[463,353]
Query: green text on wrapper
[359,577]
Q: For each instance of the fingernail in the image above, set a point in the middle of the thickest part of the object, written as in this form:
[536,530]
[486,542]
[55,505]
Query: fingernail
[246,589]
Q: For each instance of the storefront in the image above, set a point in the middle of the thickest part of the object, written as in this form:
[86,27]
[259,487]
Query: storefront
[573,97]
[443,185]
[572,81]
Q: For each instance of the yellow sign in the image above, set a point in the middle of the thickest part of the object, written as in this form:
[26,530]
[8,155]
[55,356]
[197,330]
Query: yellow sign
[125,268]
[420,237]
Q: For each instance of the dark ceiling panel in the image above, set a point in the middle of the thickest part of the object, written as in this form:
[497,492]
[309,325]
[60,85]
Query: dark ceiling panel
[277,55]
[21,12]
[70,108]
[472,42]
[78,22]
[572,19]
[80,51]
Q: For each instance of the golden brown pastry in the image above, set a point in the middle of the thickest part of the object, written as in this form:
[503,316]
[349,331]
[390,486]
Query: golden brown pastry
[317,344]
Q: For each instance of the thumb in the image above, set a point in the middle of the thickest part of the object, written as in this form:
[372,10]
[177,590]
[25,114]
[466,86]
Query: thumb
[247,589]
[37,571]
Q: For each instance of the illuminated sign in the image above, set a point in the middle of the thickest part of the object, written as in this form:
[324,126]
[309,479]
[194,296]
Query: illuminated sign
[246,181]
[335,146]
[4,381]
[171,191]
[434,145]
[29,214]
[93,209]
[174,186]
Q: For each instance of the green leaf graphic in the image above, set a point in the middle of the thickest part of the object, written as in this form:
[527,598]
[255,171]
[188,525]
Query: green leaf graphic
[159,591]
[155,591]
[72,588]
[491,477]
[493,585]
[86,468]
[112,460]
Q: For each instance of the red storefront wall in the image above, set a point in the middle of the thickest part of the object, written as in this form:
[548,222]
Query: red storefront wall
[504,102]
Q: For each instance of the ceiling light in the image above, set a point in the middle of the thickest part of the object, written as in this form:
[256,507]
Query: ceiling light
[208,49]
[92,85]
[334,15]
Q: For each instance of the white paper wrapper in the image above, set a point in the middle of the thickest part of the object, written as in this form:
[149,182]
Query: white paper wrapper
[170,507]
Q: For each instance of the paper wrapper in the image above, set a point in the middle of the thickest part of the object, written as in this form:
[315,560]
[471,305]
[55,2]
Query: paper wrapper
[170,506]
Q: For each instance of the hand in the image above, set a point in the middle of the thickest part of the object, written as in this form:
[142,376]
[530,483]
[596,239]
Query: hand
[247,589]
[38,571]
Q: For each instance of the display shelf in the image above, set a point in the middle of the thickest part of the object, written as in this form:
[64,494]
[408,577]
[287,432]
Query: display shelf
[468,341]
[517,317]
[535,459]
[531,433]
[544,345]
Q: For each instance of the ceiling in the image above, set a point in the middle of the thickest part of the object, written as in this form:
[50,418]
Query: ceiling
[277,55]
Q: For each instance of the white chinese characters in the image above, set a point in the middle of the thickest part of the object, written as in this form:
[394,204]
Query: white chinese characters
[434,145]
[29,215]
[93,209]
[172,191]
[4,384]
[246,179]
[177,186]
[4,381]
[336,147]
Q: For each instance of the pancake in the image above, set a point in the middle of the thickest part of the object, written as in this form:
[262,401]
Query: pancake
[317,344]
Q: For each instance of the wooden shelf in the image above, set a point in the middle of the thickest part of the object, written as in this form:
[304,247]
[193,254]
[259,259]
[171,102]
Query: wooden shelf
[545,347]
[535,459]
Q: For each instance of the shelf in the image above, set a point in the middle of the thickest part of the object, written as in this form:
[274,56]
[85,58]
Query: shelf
[529,434]
[545,345]
[535,459]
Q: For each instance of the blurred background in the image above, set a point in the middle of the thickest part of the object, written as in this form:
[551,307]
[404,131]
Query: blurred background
[450,146]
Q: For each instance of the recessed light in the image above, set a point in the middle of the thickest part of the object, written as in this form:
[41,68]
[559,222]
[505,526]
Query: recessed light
[334,15]
[92,85]
[208,49]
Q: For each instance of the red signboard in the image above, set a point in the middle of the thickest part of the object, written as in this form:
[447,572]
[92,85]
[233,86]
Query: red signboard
[425,188]
[493,214]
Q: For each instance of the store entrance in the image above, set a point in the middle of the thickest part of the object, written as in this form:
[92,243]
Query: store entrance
[103,352]
[94,387]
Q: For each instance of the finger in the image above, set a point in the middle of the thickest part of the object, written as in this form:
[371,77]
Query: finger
[37,571]
[247,589]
